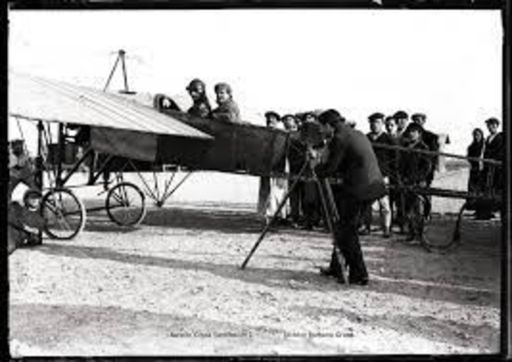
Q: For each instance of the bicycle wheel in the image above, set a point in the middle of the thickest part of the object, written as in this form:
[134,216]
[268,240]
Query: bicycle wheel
[442,232]
[64,214]
[125,204]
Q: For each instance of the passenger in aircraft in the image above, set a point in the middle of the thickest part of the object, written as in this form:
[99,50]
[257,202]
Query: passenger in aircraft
[197,91]
[227,109]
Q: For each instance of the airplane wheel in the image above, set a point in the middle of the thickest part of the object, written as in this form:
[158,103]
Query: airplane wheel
[125,204]
[442,233]
[64,214]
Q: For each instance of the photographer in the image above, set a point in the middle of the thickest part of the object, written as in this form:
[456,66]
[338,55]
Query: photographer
[351,157]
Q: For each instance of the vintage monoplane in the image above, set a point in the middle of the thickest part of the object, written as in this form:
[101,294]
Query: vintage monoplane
[123,136]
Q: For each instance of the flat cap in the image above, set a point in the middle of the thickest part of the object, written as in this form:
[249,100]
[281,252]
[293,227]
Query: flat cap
[400,115]
[492,120]
[375,116]
[330,116]
[416,116]
[272,114]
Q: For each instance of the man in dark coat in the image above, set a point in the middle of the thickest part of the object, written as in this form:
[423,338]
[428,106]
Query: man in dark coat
[432,141]
[385,157]
[351,157]
[402,120]
[227,109]
[414,168]
[494,149]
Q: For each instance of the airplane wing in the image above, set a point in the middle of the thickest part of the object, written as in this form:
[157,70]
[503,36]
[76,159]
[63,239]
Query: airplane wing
[118,126]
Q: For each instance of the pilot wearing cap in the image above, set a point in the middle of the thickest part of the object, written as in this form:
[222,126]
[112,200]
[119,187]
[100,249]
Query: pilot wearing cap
[227,109]
[201,106]
[351,157]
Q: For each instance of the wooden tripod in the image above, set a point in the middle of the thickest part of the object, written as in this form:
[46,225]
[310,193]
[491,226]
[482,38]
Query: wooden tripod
[328,206]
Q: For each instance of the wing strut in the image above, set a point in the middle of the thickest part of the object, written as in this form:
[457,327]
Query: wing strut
[120,57]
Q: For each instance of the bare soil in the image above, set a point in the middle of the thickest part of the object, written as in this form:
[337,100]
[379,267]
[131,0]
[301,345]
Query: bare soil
[173,286]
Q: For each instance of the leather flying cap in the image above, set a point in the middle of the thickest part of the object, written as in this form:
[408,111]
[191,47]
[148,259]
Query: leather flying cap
[196,84]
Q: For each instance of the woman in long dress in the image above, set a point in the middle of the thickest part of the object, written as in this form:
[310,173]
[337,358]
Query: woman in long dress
[476,150]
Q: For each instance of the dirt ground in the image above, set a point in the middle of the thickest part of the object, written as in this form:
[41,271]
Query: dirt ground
[173,287]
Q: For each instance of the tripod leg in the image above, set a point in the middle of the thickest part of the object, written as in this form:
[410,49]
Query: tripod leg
[281,205]
[330,197]
[329,216]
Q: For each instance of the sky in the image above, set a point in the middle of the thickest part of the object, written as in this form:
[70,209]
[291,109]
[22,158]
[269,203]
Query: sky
[447,64]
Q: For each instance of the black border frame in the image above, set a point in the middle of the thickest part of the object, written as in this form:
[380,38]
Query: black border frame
[506,266]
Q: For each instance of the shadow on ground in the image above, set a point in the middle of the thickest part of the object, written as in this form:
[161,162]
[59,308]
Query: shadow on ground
[282,278]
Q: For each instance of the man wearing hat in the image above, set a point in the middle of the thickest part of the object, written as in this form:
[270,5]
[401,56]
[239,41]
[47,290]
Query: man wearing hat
[494,149]
[385,159]
[21,167]
[273,120]
[23,223]
[290,123]
[197,91]
[414,169]
[402,120]
[351,158]
[227,109]
[432,141]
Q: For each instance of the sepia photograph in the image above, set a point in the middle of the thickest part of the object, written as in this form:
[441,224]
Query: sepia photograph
[230,182]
